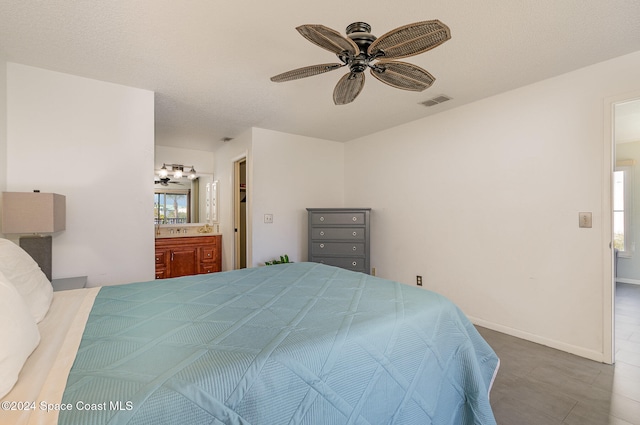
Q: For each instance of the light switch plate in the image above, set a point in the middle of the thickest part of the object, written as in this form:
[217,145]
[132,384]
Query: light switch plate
[585,220]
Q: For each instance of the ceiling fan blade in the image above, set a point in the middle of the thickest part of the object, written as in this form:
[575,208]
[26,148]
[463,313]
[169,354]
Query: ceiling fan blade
[307,71]
[410,40]
[329,39]
[402,75]
[348,88]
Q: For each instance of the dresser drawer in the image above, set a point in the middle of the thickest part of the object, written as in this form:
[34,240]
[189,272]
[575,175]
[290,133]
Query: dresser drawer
[337,248]
[209,267]
[160,257]
[329,218]
[338,233]
[208,253]
[355,264]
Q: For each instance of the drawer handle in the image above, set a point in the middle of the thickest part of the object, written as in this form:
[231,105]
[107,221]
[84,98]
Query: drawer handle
[354,264]
[355,233]
[321,245]
[322,233]
[355,219]
[321,218]
[355,248]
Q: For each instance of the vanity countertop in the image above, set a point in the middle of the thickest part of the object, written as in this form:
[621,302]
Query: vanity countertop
[185,231]
[188,235]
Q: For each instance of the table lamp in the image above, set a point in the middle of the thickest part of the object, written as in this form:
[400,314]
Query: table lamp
[35,216]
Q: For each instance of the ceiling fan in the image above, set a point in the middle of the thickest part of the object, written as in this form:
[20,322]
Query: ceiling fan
[165,181]
[361,50]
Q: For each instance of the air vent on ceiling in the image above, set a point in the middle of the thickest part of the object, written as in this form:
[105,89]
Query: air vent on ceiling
[435,100]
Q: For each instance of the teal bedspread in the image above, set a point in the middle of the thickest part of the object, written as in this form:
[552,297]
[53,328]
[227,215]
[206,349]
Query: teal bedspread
[299,343]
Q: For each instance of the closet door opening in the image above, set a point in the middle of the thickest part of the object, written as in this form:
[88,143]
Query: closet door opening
[240,213]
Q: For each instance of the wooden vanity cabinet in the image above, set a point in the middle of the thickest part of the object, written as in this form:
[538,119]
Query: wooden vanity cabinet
[185,256]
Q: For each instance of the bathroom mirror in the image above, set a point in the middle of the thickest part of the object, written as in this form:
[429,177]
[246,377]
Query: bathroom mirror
[184,201]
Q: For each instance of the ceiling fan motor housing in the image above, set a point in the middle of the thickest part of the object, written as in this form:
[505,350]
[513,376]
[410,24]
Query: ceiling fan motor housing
[360,33]
[358,27]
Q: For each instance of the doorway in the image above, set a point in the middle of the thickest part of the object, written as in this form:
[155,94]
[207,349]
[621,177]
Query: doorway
[625,214]
[240,212]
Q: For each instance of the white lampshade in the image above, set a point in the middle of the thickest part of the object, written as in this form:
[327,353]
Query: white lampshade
[33,212]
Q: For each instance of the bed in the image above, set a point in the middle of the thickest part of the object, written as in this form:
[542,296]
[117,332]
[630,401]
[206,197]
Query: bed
[298,343]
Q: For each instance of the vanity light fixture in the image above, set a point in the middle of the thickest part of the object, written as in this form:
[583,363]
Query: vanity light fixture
[163,171]
[177,170]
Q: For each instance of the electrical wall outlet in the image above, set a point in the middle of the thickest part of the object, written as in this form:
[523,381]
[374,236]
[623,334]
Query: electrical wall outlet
[373,271]
[419,280]
[268,218]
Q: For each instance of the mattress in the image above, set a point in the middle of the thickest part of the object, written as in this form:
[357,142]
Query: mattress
[299,343]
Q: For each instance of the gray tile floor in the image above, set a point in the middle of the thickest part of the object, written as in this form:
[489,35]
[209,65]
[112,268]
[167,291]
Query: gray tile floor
[537,385]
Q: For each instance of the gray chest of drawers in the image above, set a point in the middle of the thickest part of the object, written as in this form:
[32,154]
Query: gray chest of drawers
[340,237]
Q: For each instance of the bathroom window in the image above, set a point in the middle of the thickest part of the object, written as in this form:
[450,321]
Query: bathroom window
[172,207]
[621,210]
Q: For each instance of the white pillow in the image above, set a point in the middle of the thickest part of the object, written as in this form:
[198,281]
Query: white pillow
[19,335]
[24,273]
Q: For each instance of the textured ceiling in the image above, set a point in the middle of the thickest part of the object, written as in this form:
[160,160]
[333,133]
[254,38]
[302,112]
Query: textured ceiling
[209,62]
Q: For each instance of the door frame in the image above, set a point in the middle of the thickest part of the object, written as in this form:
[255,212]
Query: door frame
[608,278]
[236,211]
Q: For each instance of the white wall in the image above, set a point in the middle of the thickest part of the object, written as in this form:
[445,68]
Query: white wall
[203,161]
[291,173]
[483,202]
[286,174]
[3,130]
[82,138]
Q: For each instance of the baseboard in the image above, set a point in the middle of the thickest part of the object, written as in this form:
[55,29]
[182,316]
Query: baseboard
[626,280]
[558,345]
